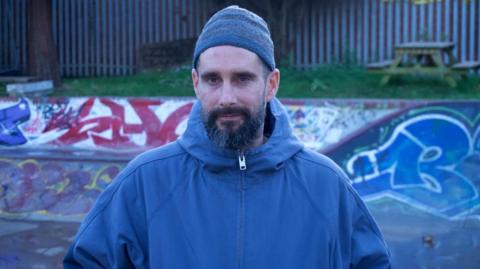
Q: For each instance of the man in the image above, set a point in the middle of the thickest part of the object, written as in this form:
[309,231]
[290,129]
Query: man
[237,190]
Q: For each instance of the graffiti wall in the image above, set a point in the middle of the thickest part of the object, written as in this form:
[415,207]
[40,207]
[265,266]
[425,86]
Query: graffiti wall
[427,157]
[42,173]
[92,123]
[418,169]
[121,124]
[422,154]
[52,189]
[416,164]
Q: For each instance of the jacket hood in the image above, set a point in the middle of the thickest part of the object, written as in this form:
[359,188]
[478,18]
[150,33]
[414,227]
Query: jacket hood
[280,146]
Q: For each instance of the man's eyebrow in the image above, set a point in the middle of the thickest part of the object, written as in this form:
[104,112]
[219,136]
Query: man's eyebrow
[245,74]
[209,74]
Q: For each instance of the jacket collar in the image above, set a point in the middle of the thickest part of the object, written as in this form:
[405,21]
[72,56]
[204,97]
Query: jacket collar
[280,146]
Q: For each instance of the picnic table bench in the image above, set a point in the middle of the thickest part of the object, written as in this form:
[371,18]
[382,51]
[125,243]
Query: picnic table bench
[424,58]
[464,67]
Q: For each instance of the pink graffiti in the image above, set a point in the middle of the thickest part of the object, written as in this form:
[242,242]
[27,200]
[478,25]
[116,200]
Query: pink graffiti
[87,126]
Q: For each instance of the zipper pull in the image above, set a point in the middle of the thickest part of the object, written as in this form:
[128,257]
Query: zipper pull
[241,162]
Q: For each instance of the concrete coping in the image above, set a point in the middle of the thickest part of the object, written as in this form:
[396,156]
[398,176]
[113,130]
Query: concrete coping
[37,88]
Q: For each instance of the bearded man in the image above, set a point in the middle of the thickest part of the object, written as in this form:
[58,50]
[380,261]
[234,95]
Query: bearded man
[237,189]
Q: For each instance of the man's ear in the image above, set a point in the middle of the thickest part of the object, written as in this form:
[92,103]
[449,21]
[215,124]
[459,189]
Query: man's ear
[273,81]
[195,79]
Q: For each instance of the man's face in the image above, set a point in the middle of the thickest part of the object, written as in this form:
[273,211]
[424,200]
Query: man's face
[233,87]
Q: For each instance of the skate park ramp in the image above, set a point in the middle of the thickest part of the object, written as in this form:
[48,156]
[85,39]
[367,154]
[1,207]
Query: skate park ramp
[415,164]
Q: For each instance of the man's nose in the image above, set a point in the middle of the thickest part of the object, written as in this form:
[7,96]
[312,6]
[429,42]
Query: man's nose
[227,97]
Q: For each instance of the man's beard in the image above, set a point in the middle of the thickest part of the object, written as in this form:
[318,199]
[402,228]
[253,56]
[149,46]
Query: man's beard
[228,137]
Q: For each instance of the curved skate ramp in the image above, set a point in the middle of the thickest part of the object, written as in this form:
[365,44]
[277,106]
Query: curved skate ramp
[414,163]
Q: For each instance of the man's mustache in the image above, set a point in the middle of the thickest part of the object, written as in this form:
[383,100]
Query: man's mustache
[214,114]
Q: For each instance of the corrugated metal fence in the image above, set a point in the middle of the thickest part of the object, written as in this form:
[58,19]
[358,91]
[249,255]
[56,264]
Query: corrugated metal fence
[13,35]
[101,37]
[367,30]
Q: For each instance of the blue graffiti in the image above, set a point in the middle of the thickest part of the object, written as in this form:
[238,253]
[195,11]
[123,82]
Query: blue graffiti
[477,140]
[7,260]
[418,165]
[10,118]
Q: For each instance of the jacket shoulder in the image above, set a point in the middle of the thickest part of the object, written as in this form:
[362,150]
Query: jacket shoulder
[161,153]
[154,167]
[322,162]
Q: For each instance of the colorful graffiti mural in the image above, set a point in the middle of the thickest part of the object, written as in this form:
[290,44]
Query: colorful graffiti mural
[426,157]
[52,188]
[10,118]
[418,170]
[60,187]
[125,124]
[322,125]
[415,157]
[95,123]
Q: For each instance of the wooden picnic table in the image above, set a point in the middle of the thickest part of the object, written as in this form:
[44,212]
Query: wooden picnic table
[422,58]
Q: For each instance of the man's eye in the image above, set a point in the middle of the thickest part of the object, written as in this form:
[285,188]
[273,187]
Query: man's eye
[244,78]
[212,80]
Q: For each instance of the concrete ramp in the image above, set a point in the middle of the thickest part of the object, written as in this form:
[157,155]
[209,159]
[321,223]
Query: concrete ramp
[45,194]
[415,164]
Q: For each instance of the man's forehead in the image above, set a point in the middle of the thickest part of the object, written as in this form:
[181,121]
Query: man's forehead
[227,56]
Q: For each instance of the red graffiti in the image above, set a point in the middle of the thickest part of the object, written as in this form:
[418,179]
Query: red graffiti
[87,126]
[58,115]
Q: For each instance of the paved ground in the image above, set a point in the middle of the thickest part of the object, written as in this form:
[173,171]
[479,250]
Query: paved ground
[34,244]
[434,243]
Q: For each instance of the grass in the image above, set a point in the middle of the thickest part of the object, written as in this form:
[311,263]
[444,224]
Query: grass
[325,82]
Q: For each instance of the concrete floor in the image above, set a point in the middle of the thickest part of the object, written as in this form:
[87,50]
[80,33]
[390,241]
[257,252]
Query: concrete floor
[34,244]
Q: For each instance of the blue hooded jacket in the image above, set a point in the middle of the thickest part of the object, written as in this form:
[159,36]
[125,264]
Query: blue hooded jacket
[189,205]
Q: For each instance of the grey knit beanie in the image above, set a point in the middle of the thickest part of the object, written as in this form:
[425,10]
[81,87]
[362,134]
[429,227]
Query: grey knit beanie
[237,27]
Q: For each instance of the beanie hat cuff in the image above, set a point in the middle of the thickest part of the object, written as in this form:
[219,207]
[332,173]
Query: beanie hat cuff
[236,41]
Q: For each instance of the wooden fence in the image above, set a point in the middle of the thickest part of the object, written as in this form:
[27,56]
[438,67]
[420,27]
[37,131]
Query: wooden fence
[101,37]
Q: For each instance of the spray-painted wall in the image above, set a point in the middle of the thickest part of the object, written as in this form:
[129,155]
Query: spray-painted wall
[425,156]
[416,164]
[418,169]
[136,124]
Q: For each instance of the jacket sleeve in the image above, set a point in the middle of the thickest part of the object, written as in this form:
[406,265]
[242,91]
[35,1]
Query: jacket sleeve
[368,248]
[111,234]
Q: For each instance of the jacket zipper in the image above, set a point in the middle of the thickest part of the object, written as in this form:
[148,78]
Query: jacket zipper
[241,161]
[241,219]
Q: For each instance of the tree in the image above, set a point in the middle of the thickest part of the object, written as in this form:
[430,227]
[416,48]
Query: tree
[42,60]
